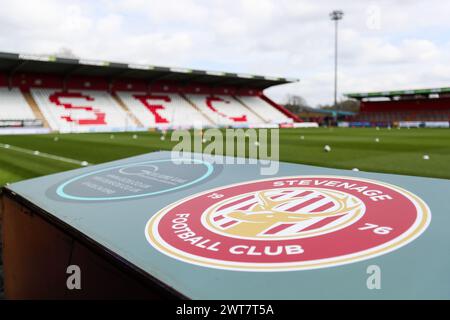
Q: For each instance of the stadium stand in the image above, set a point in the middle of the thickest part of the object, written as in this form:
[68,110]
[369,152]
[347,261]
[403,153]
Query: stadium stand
[263,109]
[13,105]
[71,95]
[224,110]
[393,107]
[162,109]
[397,116]
[81,110]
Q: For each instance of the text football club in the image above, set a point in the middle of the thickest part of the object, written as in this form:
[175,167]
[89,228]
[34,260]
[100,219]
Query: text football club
[289,223]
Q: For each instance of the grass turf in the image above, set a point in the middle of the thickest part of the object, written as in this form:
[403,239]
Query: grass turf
[398,151]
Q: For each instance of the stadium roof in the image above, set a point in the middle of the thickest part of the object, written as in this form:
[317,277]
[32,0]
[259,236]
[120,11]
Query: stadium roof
[381,94]
[11,63]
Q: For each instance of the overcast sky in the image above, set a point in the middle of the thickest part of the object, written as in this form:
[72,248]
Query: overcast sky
[384,45]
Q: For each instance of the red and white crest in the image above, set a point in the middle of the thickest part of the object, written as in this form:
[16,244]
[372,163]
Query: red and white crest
[289,223]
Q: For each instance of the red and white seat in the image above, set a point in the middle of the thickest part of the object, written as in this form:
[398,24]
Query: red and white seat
[224,110]
[162,109]
[81,110]
[266,111]
[13,105]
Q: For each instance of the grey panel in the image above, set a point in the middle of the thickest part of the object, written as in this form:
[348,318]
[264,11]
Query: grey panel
[418,270]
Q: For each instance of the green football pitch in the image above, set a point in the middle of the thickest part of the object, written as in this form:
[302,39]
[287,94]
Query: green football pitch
[391,151]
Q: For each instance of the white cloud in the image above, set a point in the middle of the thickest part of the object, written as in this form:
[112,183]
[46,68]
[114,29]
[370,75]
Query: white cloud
[383,44]
[110,23]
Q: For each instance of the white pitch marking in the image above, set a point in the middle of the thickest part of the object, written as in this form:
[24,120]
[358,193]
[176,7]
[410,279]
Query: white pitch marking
[44,155]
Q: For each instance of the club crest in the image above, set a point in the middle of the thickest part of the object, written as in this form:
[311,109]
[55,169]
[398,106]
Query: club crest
[289,223]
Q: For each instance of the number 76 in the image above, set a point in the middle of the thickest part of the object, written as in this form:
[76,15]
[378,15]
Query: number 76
[376,228]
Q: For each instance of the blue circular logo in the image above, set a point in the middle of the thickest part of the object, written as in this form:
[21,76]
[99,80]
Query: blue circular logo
[137,180]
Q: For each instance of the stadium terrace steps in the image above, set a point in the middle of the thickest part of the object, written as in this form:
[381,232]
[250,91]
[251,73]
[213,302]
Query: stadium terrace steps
[13,105]
[93,110]
[35,108]
[224,110]
[196,108]
[81,110]
[282,109]
[250,109]
[126,109]
[266,111]
[162,109]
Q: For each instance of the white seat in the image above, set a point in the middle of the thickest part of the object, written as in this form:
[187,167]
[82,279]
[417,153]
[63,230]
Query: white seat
[266,111]
[81,110]
[224,110]
[13,105]
[162,109]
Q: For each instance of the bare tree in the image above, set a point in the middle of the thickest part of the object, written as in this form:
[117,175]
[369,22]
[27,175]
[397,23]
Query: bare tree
[65,52]
[343,105]
[296,104]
